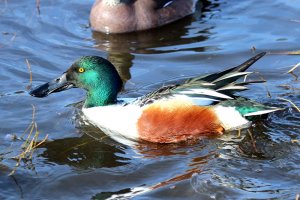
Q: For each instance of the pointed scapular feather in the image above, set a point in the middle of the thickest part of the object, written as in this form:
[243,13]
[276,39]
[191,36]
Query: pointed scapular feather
[228,80]
[262,112]
[240,68]
[250,82]
[207,84]
[200,100]
[232,87]
[247,107]
[218,86]
[232,76]
[206,92]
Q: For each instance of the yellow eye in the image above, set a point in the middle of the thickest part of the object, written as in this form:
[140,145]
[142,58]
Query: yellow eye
[81,70]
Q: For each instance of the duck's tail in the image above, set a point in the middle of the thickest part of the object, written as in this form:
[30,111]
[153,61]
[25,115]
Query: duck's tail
[229,73]
[237,113]
[221,84]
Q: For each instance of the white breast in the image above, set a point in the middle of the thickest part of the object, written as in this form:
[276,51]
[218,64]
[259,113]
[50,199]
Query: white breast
[117,121]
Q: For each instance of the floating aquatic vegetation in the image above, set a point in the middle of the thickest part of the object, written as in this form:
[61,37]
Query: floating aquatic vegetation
[293,104]
[263,80]
[37,4]
[30,138]
[28,87]
[296,52]
[291,71]
[293,68]
[293,52]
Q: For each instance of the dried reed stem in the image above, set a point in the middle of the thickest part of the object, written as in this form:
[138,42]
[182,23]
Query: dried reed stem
[30,75]
[294,105]
[293,68]
[265,84]
[297,52]
[30,144]
[37,4]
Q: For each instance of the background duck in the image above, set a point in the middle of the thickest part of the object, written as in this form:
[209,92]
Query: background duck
[120,16]
[200,106]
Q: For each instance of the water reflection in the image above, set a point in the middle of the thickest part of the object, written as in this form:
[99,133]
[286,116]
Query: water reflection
[107,195]
[152,41]
[207,164]
[257,143]
[263,165]
[94,150]
[177,36]
[83,153]
[195,158]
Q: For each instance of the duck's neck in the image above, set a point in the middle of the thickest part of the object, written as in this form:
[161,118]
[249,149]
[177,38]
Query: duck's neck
[100,97]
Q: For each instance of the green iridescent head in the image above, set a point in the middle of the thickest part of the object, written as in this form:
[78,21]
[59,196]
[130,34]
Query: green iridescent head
[94,74]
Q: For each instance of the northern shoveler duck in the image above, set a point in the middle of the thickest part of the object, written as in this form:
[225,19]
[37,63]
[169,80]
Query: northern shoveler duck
[120,16]
[199,106]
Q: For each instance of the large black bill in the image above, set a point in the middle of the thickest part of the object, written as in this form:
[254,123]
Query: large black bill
[56,85]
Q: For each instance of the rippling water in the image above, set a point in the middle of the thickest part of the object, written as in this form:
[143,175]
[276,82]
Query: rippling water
[79,162]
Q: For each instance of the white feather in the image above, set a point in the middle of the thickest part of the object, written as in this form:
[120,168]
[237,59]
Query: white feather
[200,101]
[230,118]
[203,101]
[111,2]
[261,112]
[168,3]
[232,75]
[117,121]
[232,87]
[207,92]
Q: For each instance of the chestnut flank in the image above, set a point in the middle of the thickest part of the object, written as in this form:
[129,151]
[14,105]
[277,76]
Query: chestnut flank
[171,122]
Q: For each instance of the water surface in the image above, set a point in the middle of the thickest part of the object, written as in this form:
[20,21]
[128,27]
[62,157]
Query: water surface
[80,162]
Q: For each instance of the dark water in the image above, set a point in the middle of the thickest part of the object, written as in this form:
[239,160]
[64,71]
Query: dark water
[79,162]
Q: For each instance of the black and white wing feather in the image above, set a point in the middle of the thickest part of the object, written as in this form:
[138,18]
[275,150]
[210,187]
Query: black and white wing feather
[207,89]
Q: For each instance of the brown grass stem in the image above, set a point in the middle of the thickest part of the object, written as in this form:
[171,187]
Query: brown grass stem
[296,52]
[294,105]
[30,75]
[37,4]
[29,145]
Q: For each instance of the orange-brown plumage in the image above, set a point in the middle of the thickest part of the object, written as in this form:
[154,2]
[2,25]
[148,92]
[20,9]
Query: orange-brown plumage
[172,121]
